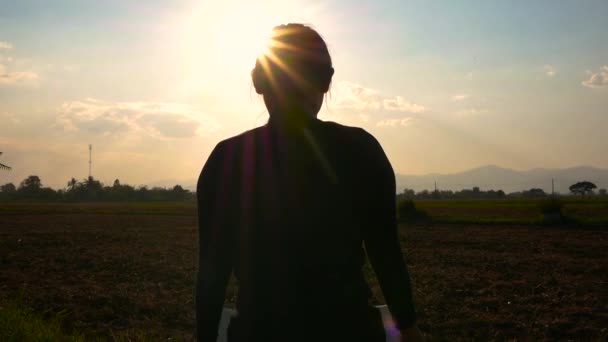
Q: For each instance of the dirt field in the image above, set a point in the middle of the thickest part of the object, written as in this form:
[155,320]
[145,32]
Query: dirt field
[126,269]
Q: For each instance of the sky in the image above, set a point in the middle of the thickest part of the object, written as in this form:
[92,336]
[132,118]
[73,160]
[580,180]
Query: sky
[445,86]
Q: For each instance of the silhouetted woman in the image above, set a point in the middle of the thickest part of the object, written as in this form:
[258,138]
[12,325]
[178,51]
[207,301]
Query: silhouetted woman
[289,206]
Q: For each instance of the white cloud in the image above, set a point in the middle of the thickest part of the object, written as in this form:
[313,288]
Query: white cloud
[156,119]
[401,105]
[352,96]
[5,45]
[404,122]
[598,79]
[347,95]
[460,97]
[549,70]
[17,77]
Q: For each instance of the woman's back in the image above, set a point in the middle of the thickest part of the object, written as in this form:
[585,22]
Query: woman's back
[296,209]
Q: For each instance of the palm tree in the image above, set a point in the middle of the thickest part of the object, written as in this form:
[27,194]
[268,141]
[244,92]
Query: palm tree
[4,167]
[72,183]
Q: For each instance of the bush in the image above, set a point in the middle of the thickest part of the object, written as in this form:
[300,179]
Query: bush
[551,210]
[407,211]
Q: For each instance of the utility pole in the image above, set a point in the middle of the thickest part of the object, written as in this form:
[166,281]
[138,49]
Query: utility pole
[90,161]
[553,187]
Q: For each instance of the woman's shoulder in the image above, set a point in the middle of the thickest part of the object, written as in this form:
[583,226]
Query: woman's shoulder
[332,131]
[353,134]
[239,140]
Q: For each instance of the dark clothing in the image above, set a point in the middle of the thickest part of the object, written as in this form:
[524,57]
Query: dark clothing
[289,214]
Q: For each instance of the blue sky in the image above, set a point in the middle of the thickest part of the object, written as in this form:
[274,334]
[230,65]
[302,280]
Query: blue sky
[444,85]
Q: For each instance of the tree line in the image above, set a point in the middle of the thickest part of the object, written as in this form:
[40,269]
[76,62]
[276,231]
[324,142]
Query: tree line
[584,188]
[91,189]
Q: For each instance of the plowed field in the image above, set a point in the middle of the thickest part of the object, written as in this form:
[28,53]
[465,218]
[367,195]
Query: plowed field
[125,269]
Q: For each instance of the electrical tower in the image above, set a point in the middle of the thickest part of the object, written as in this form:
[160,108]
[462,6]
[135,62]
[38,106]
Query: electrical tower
[90,160]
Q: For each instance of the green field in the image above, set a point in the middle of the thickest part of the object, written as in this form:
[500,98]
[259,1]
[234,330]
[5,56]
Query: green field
[108,208]
[593,210]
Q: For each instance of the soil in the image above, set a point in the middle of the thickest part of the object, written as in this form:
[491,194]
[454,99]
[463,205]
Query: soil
[126,274]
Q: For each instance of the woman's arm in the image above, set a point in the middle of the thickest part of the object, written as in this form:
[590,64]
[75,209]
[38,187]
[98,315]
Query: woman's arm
[381,236]
[215,246]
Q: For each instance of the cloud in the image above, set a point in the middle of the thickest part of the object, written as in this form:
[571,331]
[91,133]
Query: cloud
[347,95]
[17,77]
[401,105]
[170,125]
[460,97]
[403,122]
[352,96]
[471,112]
[5,45]
[598,79]
[160,120]
[549,70]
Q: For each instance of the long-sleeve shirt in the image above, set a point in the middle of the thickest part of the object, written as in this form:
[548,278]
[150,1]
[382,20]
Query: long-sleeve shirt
[293,213]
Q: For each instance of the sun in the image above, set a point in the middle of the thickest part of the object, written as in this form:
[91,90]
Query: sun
[217,41]
[240,37]
[228,37]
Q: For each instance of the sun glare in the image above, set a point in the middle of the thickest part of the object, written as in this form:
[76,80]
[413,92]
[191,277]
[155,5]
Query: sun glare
[222,41]
[219,42]
[229,37]
[240,37]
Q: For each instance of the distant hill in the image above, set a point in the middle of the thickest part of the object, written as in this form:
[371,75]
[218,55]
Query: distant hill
[509,180]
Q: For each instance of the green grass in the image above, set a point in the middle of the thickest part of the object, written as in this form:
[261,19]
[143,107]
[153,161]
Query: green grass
[476,203]
[589,210]
[19,323]
[576,210]
[109,208]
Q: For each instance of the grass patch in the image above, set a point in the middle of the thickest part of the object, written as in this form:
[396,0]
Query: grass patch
[464,219]
[588,210]
[19,323]
[477,203]
[561,210]
[102,208]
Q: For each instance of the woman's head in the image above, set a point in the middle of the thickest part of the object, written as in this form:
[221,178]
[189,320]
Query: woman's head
[294,73]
